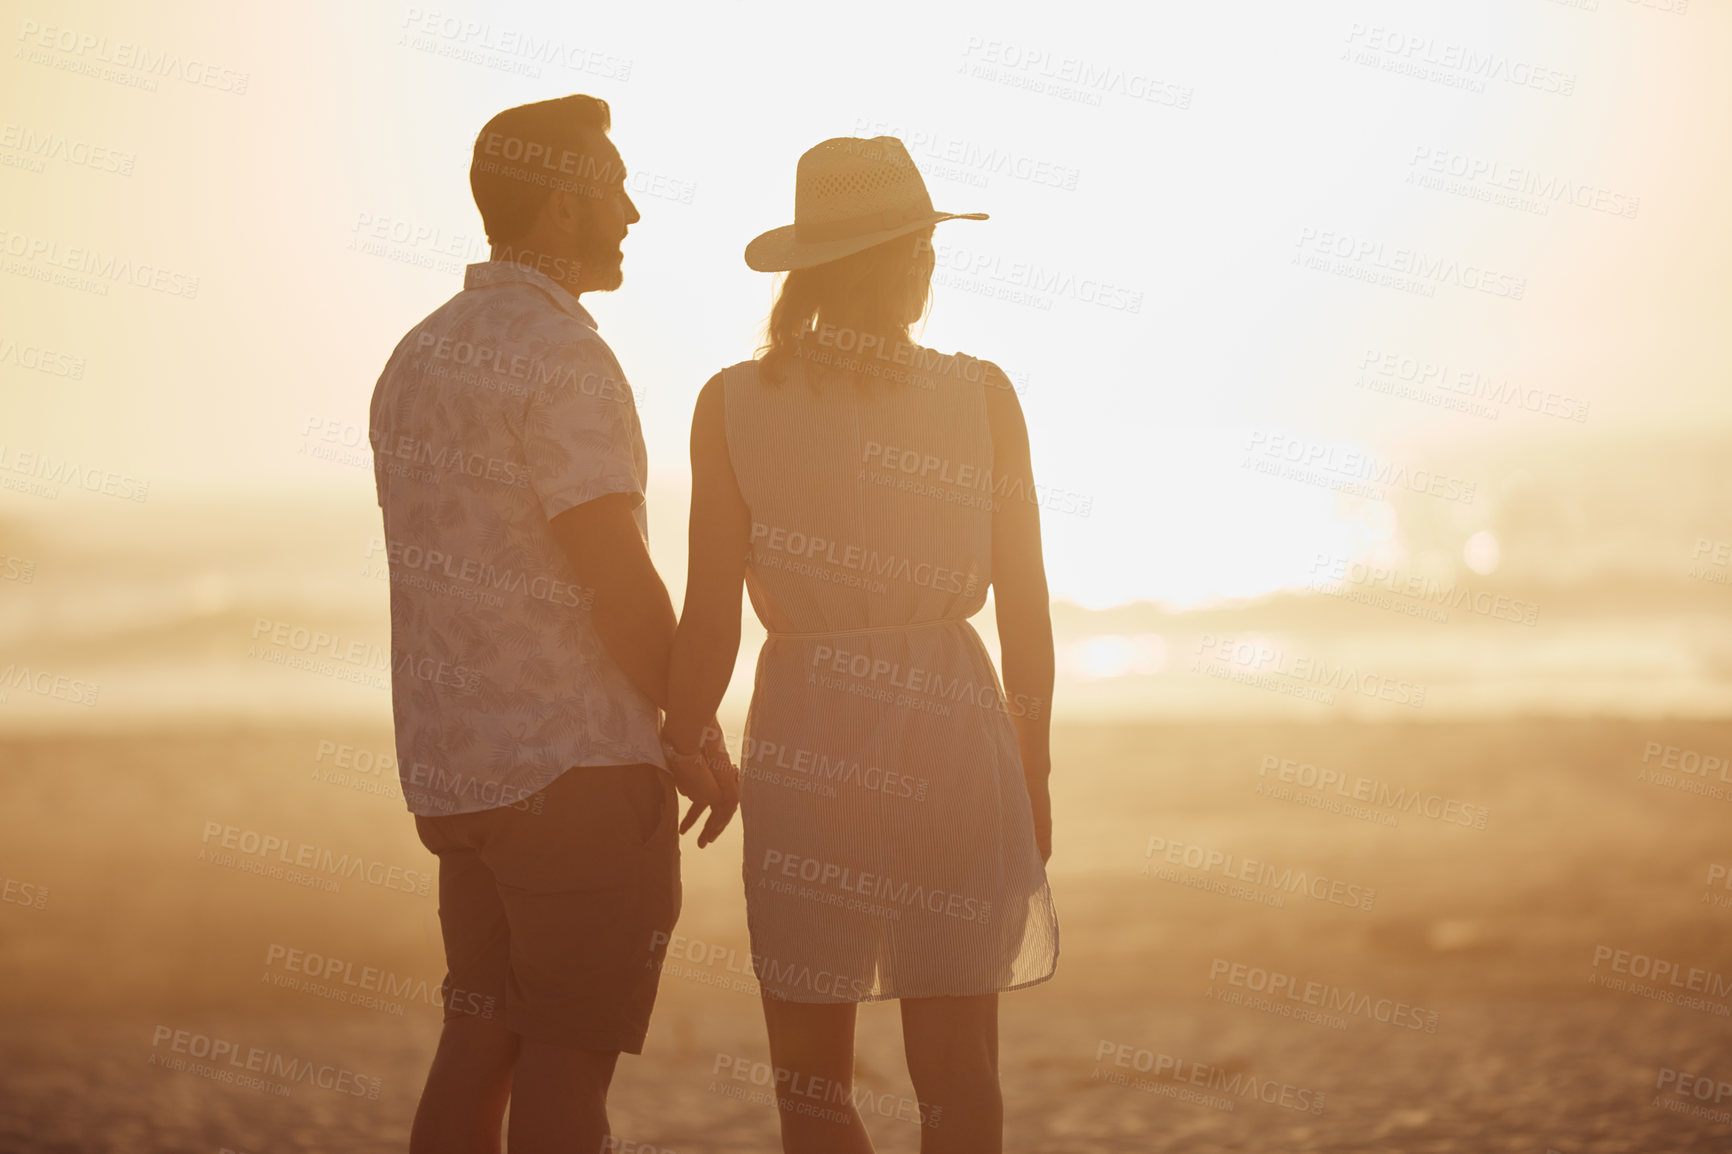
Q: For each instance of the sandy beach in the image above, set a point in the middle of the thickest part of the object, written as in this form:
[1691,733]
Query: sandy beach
[1492,976]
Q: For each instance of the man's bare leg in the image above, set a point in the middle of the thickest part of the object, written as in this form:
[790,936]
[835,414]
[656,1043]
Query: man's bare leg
[559,1098]
[463,1105]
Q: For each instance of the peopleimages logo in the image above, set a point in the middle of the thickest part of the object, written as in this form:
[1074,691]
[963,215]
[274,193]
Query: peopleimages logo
[537,154]
[259,847]
[926,690]
[368,987]
[856,559]
[1257,873]
[76,262]
[86,51]
[1238,1084]
[533,374]
[975,162]
[847,880]
[23,893]
[806,1094]
[1065,77]
[1350,471]
[1320,995]
[41,360]
[1522,185]
[433,787]
[431,463]
[1379,794]
[1366,259]
[43,473]
[713,956]
[408,560]
[1687,761]
[1709,561]
[1250,659]
[911,470]
[448,34]
[1427,593]
[1461,389]
[765,756]
[413,243]
[1671,982]
[1701,1087]
[40,147]
[1428,58]
[1022,278]
[359,769]
[257,1060]
[47,683]
[319,643]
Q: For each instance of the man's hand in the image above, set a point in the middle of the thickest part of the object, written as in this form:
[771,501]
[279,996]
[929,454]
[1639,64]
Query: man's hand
[710,781]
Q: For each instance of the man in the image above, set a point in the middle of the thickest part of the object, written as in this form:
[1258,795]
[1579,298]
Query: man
[530,637]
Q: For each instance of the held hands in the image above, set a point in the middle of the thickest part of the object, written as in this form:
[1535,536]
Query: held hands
[709,779]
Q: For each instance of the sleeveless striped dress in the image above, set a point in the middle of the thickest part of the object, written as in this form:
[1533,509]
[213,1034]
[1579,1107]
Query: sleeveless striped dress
[889,847]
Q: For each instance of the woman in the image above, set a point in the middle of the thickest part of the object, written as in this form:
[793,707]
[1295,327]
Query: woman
[897,821]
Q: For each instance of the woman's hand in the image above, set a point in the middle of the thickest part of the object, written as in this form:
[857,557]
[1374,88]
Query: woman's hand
[709,780]
[1040,804]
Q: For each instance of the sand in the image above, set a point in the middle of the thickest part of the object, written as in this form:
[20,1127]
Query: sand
[1491,954]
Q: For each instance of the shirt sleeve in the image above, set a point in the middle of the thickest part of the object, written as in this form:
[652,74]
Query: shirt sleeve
[580,431]
[377,410]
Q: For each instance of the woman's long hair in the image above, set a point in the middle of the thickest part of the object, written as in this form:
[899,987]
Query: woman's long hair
[881,292]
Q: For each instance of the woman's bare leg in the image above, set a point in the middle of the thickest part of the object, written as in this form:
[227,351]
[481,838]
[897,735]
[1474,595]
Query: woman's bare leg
[812,1052]
[952,1049]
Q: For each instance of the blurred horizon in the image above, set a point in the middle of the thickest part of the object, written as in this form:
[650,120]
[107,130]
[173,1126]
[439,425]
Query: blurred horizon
[1546,612]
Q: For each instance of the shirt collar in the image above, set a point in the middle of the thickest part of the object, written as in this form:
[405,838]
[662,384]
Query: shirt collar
[497,272]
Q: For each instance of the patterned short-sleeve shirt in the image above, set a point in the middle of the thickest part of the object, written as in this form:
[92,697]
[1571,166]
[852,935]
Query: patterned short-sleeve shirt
[501,410]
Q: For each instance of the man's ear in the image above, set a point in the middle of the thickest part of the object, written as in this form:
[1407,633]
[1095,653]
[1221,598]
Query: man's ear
[565,212]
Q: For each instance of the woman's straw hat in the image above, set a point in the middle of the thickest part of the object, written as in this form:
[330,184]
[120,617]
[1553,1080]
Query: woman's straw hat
[849,194]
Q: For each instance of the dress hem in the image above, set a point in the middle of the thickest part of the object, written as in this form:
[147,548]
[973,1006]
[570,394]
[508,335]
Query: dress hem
[893,997]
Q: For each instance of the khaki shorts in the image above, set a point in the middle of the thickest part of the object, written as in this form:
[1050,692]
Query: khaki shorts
[559,908]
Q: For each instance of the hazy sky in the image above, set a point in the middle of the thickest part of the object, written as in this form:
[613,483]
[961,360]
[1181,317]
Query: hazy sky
[1192,206]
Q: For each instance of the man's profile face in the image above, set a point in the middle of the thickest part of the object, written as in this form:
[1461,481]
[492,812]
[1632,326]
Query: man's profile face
[605,212]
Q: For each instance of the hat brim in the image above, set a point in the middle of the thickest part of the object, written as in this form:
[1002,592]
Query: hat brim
[778,250]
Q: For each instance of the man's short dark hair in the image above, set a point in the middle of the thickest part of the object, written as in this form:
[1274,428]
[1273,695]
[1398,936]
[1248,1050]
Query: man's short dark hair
[526,152]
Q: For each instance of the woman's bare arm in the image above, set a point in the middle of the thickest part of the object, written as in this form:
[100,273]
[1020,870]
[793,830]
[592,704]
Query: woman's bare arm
[708,638]
[1019,596]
